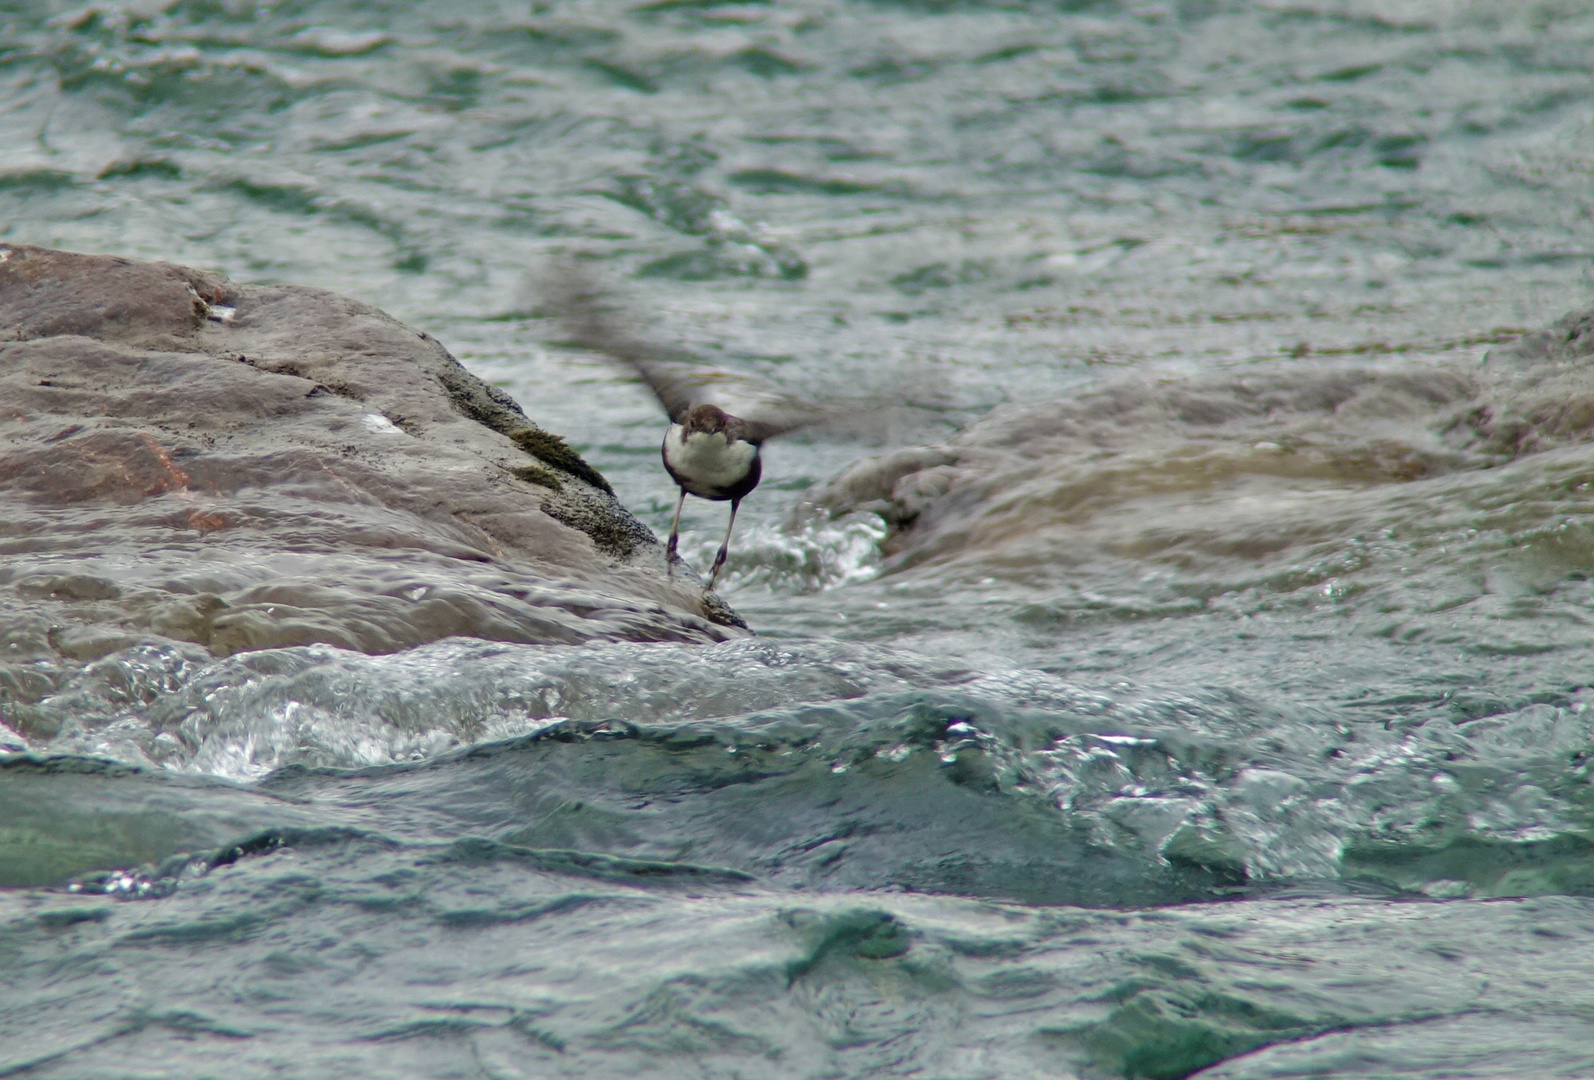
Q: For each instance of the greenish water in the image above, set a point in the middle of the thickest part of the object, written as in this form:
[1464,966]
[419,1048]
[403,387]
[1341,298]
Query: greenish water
[1218,708]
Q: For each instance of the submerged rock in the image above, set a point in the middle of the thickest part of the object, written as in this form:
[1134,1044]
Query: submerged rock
[1210,477]
[217,467]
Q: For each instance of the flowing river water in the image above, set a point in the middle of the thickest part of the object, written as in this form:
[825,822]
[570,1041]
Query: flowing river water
[1184,675]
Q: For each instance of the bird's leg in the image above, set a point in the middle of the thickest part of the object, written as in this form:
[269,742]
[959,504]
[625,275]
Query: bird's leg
[719,560]
[675,524]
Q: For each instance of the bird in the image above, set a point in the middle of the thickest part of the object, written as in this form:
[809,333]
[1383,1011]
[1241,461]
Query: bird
[708,451]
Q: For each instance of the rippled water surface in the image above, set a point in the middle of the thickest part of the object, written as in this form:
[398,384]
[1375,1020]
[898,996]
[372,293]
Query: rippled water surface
[1189,678]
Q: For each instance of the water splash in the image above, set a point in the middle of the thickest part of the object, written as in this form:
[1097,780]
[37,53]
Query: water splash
[816,556]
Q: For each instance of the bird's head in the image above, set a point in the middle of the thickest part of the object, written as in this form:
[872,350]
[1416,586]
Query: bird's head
[706,418]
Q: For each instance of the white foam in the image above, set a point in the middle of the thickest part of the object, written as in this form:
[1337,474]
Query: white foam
[378,424]
[819,556]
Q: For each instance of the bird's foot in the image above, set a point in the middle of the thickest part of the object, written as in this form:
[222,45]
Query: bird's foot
[719,561]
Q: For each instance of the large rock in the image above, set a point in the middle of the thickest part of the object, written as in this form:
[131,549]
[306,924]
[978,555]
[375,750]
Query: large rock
[230,467]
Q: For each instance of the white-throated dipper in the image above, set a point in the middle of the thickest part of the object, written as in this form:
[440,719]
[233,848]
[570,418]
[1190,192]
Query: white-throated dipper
[713,455]
[707,451]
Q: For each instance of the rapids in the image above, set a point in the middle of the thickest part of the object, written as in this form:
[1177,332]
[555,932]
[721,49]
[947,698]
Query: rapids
[1188,678]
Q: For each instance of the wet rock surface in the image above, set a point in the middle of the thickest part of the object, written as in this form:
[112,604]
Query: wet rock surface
[215,468]
[1200,471]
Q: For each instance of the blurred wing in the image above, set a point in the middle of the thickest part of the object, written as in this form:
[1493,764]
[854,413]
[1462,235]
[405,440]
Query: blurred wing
[588,315]
[764,411]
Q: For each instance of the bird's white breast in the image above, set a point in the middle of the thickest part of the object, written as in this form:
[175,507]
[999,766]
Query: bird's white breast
[708,459]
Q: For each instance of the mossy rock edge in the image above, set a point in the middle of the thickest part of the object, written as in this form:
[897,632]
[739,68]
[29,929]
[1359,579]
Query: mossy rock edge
[556,452]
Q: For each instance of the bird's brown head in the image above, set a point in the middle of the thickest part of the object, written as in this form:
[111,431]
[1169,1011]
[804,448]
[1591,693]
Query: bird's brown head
[706,418]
